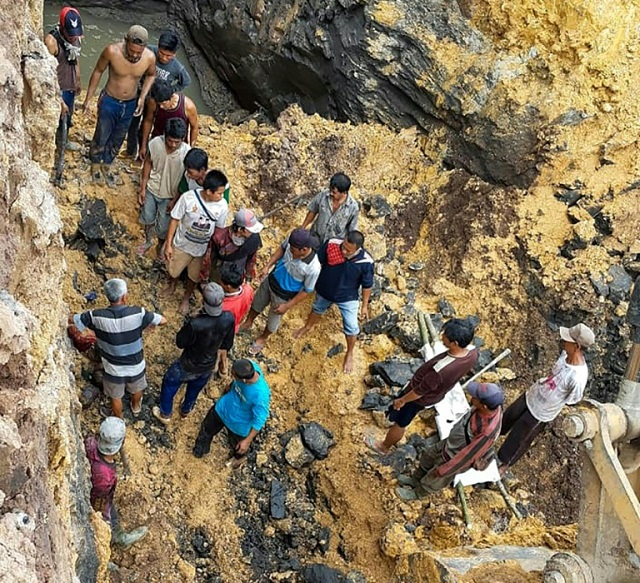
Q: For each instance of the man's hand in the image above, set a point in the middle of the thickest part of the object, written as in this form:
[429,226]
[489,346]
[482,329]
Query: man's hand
[138,111]
[243,446]
[364,312]
[78,90]
[263,273]
[87,106]
[168,251]
[142,197]
[398,403]
[282,308]
[64,109]
[142,154]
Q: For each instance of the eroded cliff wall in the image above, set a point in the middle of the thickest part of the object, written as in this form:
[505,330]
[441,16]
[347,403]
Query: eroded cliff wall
[44,533]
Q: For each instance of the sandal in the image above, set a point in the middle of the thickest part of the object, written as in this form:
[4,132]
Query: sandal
[144,247]
[136,412]
[255,348]
[370,442]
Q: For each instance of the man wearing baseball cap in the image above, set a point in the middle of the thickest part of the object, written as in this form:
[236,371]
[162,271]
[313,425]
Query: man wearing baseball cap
[237,244]
[127,61]
[530,413]
[470,444]
[200,338]
[101,451]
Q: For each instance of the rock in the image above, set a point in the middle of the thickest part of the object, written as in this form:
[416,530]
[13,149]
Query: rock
[373,380]
[321,574]
[484,358]
[277,501]
[620,283]
[446,309]
[600,286]
[584,232]
[380,418]
[261,459]
[335,350]
[407,333]
[396,541]
[317,439]
[374,400]
[296,454]
[381,324]
[376,206]
[88,395]
[396,373]
[401,283]
[569,196]
[187,570]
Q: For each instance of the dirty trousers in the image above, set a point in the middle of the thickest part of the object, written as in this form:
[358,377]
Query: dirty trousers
[114,116]
[425,476]
[522,428]
[211,425]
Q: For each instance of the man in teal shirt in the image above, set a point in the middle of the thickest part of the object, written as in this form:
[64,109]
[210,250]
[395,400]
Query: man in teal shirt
[242,410]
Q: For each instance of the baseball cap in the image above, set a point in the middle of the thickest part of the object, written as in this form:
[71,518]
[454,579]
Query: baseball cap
[247,219]
[213,296]
[138,35]
[71,22]
[581,334]
[300,238]
[111,437]
[488,393]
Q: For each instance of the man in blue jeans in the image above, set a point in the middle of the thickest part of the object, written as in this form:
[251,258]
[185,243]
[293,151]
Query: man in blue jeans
[200,338]
[346,267]
[242,410]
[127,61]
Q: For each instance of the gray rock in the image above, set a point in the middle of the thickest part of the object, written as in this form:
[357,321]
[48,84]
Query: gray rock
[602,289]
[381,324]
[446,309]
[620,284]
[396,373]
[322,574]
[374,400]
[376,206]
[317,439]
[296,454]
[278,499]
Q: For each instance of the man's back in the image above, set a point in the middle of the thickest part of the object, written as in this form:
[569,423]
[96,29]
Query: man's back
[202,337]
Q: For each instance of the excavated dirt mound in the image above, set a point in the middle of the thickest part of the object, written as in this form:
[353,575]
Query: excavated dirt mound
[491,252]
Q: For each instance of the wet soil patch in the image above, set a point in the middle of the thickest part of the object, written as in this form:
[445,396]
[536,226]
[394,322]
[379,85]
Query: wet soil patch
[404,224]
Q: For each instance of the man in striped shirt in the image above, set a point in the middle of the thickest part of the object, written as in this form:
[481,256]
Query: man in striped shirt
[118,330]
[468,445]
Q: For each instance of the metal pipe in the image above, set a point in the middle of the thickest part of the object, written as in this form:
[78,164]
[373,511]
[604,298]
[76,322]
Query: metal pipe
[495,361]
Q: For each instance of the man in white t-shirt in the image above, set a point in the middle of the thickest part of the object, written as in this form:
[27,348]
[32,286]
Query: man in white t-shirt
[293,278]
[161,174]
[193,220]
[528,415]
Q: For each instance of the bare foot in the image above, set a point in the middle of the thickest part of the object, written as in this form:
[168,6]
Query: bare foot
[245,326]
[168,291]
[183,308]
[348,364]
[300,332]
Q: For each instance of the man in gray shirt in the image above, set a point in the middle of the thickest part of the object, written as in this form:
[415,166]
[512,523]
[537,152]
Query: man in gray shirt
[334,211]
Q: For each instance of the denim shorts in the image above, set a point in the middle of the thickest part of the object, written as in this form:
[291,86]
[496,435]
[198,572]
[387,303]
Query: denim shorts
[154,212]
[348,310]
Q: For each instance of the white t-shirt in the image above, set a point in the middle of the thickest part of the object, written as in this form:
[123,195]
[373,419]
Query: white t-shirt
[564,386]
[196,227]
[166,169]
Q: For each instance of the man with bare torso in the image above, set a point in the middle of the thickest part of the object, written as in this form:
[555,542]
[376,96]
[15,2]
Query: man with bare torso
[127,61]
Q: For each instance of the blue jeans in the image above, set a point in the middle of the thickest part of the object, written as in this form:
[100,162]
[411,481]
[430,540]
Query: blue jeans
[154,212]
[171,382]
[114,116]
[348,311]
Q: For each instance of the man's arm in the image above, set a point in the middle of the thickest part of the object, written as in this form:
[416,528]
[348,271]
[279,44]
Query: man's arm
[185,336]
[168,244]
[147,126]
[94,80]
[309,219]
[144,179]
[364,308]
[192,116]
[243,444]
[150,77]
[184,79]
[51,44]
[277,254]
[294,301]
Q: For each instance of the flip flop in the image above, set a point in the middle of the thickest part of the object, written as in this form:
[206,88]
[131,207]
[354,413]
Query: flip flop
[143,248]
[370,442]
[255,348]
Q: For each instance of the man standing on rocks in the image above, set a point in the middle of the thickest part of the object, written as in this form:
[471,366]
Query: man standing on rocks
[201,339]
[431,382]
[334,211]
[242,410]
[63,42]
[294,277]
[101,451]
[530,413]
[127,62]
[118,330]
[161,174]
[166,104]
[346,267]
[194,219]
[468,445]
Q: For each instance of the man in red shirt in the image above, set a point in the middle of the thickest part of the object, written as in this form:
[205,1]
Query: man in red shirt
[431,382]
[237,294]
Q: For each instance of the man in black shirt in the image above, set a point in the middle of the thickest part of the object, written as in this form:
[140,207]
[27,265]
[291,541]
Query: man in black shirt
[200,338]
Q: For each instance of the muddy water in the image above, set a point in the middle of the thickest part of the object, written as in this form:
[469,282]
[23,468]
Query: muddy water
[101,30]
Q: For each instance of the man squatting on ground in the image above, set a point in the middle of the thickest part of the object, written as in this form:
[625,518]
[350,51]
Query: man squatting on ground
[118,330]
[469,445]
[101,451]
[127,61]
[161,174]
[63,42]
[431,382]
[168,68]
[334,211]
[196,167]
[293,278]
[243,410]
[203,339]
[346,267]
[530,413]
[194,219]
[163,105]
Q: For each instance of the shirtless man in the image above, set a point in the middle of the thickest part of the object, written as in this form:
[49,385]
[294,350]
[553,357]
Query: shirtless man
[127,61]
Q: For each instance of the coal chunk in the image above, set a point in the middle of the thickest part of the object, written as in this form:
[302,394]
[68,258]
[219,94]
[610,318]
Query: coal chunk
[620,283]
[296,454]
[381,324]
[321,574]
[374,400]
[278,499]
[376,206]
[317,439]
[396,373]
[446,309]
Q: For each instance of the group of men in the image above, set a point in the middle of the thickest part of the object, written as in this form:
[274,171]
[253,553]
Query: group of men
[185,204]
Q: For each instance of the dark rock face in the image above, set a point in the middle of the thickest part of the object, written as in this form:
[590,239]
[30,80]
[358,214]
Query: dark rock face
[373,61]
[396,373]
[322,574]
[317,439]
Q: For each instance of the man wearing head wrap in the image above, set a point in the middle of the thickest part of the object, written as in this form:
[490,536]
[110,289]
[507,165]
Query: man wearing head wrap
[530,413]
[295,271]
[101,450]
